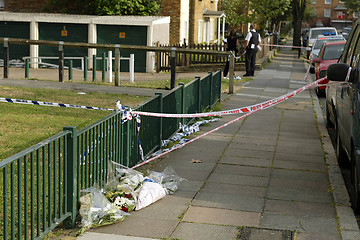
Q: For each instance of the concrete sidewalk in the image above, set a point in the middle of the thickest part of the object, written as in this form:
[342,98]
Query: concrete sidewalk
[270,176]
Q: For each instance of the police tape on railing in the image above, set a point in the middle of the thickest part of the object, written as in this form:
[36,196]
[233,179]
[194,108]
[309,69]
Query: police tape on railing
[246,109]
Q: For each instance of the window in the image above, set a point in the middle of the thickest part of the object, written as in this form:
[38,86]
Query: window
[313,2]
[200,29]
[327,12]
[2,4]
[348,52]
[356,14]
[327,1]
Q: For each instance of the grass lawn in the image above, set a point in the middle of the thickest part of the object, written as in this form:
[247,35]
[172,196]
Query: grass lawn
[22,126]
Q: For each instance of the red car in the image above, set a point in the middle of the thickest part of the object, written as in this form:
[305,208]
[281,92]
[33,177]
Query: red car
[329,53]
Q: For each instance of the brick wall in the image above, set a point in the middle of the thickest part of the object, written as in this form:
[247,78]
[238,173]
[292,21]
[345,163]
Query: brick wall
[172,8]
[200,6]
[25,5]
[320,6]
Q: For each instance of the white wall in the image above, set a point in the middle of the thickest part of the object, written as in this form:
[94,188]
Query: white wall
[184,21]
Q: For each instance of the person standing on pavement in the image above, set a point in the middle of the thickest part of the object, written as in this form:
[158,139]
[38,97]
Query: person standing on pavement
[232,44]
[252,41]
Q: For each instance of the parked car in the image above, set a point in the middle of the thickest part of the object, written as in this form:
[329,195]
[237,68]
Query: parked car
[330,53]
[345,110]
[314,32]
[345,32]
[320,40]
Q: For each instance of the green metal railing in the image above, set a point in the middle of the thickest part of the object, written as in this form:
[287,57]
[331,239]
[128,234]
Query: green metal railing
[40,186]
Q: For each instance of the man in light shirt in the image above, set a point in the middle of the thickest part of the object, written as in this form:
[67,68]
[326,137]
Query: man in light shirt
[252,41]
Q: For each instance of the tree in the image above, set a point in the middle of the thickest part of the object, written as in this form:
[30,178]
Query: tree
[236,12]
[298,9]
[353,5]
[105,7]
[126,7]
[240,12]
[272,11]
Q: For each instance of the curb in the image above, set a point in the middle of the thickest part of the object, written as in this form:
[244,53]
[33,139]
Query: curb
[348,227]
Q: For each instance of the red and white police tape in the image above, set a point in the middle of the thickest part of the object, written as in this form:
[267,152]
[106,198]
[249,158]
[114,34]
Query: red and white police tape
[255,109]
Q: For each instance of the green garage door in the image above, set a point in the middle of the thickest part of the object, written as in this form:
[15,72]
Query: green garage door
[128,35]
[66,33]
[15,30]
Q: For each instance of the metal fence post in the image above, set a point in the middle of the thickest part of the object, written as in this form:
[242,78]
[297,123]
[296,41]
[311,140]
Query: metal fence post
[160,110]
[85,68]
[94,69]
[6,58]
[182,101]
[71,195]
[199,93]
[173,67]
[70,70]
[61,61]
[211,89]
[117,64]
[27,63]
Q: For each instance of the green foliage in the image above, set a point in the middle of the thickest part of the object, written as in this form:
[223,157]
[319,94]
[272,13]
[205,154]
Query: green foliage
[126,7]
[240,12]
[105,7]
[236,12]
[274,10]
[353,5]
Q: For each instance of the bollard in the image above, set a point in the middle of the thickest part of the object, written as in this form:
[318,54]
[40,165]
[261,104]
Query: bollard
[94,69]
[103,67]
[6,58]
[110,65]
[70,70]
[61,61]
[85,68]
[231,73]
[132,67]
[27,63]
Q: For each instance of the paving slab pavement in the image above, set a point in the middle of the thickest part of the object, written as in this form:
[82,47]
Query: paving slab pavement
[264,177]
[269,176]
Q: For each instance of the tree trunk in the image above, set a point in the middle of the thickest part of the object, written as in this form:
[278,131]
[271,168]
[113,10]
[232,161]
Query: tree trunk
[298,7]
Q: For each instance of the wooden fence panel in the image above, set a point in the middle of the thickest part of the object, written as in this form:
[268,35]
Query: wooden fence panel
[186,59]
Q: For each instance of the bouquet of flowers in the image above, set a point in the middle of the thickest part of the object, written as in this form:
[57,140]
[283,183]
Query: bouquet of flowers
[96,210]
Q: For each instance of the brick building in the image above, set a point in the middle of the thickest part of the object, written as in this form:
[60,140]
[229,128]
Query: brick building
[331,13]
[23,6]
[194,21]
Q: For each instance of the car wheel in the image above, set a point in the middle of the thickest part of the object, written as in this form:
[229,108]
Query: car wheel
[340,153]
[312,70]
[329,124]
[320,92]
[355,183]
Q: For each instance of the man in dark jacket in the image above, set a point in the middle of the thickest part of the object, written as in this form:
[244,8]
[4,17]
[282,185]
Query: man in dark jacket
[252,41]
[232,44]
